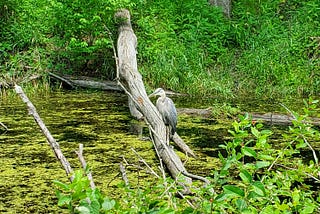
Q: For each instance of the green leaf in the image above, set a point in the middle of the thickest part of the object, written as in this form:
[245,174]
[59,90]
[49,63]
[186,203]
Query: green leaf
[308,208]
[221,197]
[255,132]
[262,164]
[249,152]
[265,157]
[241,204]
[233,190]
[64,199]
[61,185]
[108,204]
[83,210]
[258,188]
[245,176]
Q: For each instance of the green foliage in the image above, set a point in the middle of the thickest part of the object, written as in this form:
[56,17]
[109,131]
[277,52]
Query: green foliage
[78,197]
[255,177]
[267,48]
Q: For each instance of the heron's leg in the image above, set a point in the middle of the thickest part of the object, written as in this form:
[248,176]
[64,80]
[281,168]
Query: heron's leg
[167,135]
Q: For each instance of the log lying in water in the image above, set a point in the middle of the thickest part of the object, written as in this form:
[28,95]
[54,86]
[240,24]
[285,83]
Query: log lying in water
[86,82]
[279,119]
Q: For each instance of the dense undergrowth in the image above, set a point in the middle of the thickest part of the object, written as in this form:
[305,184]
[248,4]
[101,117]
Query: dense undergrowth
[267,49]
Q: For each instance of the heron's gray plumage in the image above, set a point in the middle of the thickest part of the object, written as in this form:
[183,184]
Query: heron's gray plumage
[167,109]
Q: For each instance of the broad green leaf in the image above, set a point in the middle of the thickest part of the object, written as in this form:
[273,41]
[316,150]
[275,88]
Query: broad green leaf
[258,188]
[233,190]
[262,164]
[221,197]
[245,176]
[108,204]
[249,152]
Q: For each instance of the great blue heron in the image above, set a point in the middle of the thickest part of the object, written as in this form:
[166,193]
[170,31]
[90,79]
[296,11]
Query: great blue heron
[167,110]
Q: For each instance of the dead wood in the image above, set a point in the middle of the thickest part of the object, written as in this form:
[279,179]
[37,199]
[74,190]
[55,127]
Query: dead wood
[52,142]
[124,174]
[4,126]
[132,82]
[279,119]
[86,82]
[84,166]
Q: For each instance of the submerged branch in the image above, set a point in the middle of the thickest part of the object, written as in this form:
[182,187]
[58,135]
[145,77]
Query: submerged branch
[52,142]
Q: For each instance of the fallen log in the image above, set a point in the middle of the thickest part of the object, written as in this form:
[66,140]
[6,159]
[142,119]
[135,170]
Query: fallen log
[279,119]
[86,82]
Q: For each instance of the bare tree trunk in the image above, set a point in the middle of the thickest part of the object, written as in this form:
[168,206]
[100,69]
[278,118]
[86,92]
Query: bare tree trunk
[224,4]
[131,78]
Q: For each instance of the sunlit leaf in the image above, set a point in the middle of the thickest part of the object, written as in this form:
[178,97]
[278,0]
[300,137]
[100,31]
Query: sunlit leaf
[233,190]
[64,200]
[61,185]
[255,132]
[249,152]
[108,204]
[83,210]
[258,188]
[265,157]
[262,164]
[245,176]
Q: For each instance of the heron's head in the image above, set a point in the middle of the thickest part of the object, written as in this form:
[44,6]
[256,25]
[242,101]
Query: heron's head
[158,92]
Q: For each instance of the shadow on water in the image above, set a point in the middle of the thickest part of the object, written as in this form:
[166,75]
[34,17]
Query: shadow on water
[100,121]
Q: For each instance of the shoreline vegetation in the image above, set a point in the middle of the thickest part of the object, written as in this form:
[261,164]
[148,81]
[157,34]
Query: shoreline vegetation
[265,50]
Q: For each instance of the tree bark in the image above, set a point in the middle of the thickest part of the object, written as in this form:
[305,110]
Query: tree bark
[131,78]
[224,4]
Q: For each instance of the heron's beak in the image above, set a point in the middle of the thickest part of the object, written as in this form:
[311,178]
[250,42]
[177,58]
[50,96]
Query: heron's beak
[152,95]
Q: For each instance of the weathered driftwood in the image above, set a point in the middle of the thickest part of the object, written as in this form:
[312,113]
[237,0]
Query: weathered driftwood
[279,119]
[132,79]
[184,147]
[84,166]
[52,142]
[86,82]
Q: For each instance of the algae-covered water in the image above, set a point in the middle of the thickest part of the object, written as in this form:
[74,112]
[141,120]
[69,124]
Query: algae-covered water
[100,121]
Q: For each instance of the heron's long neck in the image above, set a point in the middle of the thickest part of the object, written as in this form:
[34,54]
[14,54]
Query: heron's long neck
[163,96]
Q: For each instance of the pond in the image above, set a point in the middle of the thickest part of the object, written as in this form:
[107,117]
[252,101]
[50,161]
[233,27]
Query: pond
[102,123]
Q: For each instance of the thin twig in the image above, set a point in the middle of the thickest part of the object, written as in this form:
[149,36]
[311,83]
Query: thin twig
[310,147]
[84,166]
[145,163]
[292,114]
[309,175]
[4,126]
